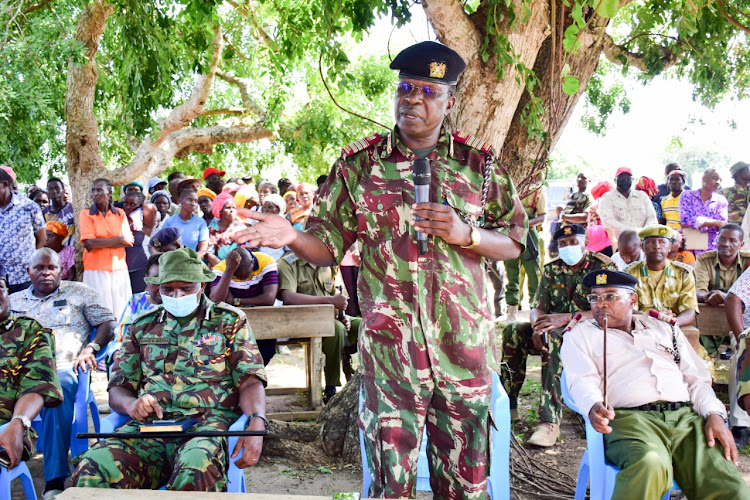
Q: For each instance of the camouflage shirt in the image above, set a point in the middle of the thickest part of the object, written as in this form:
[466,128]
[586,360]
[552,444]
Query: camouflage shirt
[671,290]
[27,364]
[737,200]
[577,204]
[192,366]
[561,288]
[424,317]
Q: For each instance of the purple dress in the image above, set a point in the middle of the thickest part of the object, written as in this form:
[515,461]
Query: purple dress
[692,207]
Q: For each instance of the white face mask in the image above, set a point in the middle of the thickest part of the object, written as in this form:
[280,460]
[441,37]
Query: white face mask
[571,255]
[182,306]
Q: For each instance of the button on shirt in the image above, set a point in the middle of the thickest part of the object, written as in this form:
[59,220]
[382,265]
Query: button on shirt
[71,312]
[18,223]
[618,212]
[708,266]
[641,367]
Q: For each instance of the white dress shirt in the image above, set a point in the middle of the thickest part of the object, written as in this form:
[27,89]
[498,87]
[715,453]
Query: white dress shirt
[641,368]
[619,213]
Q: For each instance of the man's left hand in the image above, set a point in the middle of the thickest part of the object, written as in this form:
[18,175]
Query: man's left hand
[547,322]
[11,440]
[253,446]
[441,220]
[715,298]
[86,360]
[716,428]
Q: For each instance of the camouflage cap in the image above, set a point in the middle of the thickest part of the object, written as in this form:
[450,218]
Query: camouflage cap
[181,265]
[656,231]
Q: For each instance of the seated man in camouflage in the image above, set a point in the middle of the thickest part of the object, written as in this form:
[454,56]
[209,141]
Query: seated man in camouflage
[25,386]
[188,357]
[559,297]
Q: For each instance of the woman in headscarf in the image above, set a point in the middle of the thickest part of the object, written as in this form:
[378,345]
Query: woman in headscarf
[648,186]
[246,200]
[306,198]
[162,200]
[597,192]
[221,230]
[57,232]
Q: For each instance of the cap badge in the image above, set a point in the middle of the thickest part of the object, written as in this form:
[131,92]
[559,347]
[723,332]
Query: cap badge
[601,279]
[662,231]
[437,69]
[567,230]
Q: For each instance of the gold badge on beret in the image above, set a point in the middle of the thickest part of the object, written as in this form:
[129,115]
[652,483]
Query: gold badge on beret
[567,230]
[437,69]
[663,231]
[601,279]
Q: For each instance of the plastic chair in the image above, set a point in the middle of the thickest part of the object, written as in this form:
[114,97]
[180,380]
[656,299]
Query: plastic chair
[235,477]
[594,467]
[19,471]
[498,483]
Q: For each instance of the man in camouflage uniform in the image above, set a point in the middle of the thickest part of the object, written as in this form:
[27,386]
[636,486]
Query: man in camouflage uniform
[28,378]
[303,283]
[664,285]
[738,196]
[576,210]
[535,205]
[188,357]
[560,296]
[427,344]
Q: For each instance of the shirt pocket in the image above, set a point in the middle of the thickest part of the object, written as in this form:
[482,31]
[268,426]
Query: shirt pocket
[381,214]
[153,350]
[210,357]
[466,203]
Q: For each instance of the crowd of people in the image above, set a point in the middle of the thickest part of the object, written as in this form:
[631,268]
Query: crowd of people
[165,281]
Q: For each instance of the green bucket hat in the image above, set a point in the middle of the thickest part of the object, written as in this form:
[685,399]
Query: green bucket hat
[181,265]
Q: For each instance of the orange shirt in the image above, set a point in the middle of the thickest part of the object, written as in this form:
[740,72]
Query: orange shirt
[95,225]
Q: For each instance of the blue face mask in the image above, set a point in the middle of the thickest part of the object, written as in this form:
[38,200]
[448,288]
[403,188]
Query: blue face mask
[571,255]
[182,306]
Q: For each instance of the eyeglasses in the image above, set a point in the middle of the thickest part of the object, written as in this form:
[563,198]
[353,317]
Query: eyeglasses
[427,92]
[605,297]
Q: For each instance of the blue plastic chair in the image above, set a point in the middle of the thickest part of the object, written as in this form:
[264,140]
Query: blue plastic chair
[235,476]
[594,468]
[19,471]
[498,484]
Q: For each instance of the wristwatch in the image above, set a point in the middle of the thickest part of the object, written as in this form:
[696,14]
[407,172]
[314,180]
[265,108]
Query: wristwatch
[476,238]
[723,416]
[96,347]
[24,420]
[252,416]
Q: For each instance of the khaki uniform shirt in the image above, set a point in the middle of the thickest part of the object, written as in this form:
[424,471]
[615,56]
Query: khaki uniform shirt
[300,276]
[708,265]
[674,291]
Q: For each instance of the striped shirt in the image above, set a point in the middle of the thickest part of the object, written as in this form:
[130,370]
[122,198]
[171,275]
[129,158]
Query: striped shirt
[265,274]
[670,209]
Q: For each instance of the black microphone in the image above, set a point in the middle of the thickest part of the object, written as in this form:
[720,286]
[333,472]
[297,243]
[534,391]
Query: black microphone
[421,172]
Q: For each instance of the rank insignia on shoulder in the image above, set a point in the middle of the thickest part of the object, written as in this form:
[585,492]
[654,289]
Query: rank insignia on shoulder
[361,144]
[472,141]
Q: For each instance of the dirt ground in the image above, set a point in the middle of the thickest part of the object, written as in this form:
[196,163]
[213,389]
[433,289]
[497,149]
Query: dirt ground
[280,476]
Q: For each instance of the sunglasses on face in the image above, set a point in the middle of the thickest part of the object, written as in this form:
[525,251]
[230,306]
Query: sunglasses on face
[605,297]
[427,92]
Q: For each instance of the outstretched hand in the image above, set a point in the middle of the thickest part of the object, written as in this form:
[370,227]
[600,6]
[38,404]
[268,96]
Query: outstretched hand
[271,231]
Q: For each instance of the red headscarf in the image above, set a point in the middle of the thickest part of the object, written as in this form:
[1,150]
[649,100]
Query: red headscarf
[601,188]
[218,204]
[647,185]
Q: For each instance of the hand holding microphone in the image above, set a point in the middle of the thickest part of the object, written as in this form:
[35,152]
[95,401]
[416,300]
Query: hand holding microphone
[422,174]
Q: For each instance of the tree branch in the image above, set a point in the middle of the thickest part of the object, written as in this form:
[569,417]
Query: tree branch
[615,53]
[453,26]
[248,13]
[734,22]
[224,111]
[242,85]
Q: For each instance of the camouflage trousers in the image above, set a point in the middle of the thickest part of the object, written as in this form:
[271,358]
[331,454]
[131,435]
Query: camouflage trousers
[532,269]
[457,417]
[517,346]
[182,464]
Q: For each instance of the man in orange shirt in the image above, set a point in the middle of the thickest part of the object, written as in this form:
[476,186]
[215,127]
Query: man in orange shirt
[105,234]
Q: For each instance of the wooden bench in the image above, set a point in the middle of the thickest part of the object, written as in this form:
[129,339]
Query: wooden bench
[712,320]
[299,323]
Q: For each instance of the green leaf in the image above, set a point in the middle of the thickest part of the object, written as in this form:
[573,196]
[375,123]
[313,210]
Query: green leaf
[570,85]
[606,8]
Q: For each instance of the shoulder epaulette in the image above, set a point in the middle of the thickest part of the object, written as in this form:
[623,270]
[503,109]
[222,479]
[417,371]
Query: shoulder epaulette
[708,255]
[230,308]
[603,258]
[360,145]
[473,142]
[743,253]
[633,266]
[290,258]
[144,314]
[683,266]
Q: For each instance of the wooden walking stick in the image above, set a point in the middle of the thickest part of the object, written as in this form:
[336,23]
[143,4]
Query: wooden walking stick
[604,327]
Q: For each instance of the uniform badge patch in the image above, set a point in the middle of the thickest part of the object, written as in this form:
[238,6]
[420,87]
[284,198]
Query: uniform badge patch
[437,69]
[601,279]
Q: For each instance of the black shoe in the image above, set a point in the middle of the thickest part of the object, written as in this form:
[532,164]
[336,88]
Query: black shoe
[330,391]
[741,436]
[726,354]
